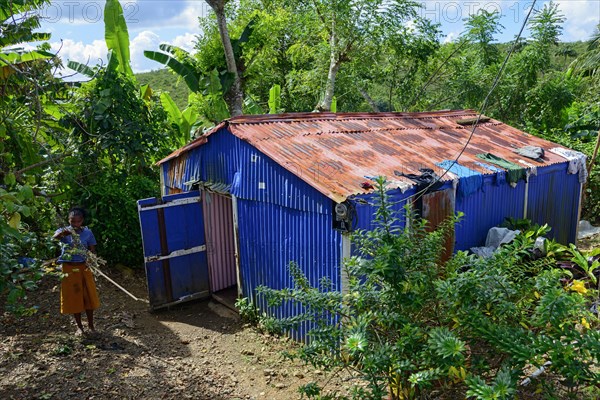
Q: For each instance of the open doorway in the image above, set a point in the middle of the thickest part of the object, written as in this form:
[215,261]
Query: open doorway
[220,247]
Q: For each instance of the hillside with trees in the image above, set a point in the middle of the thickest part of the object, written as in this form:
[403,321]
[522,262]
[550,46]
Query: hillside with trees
[164,80]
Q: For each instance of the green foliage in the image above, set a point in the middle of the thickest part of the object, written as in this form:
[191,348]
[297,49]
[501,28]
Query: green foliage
[163,80]
[248,311]
[117,36]
[275,99]
[180,62]
[26,130]
[481,29]
[410,325]
[183,121]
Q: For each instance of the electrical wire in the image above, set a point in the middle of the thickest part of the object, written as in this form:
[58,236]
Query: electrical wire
[484,105]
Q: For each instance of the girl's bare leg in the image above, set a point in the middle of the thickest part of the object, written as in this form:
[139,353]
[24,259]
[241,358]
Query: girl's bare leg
[90,318]
[78,321]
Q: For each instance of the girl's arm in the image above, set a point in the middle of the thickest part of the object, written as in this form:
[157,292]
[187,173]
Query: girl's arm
[92,248]
[61,233]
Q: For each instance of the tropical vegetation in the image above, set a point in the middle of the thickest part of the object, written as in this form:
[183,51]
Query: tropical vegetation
[94,144]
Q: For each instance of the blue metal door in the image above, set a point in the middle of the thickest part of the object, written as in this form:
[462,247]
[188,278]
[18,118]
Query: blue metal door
[174,248]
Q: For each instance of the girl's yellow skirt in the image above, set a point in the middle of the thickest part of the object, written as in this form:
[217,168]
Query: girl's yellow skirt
[78,289]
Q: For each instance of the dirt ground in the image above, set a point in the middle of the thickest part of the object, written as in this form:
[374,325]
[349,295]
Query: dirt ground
[198,350]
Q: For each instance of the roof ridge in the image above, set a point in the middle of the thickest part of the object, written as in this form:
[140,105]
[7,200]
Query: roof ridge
[329,116]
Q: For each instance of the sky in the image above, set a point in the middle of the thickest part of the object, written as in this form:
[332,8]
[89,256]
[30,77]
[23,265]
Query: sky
[77,27]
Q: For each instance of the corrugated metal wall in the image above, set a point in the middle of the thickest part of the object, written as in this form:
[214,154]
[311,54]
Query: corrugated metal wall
[168,227]
[554,199]
[272,236]
[486,209]
[366,206]
[220,248]
[247,172]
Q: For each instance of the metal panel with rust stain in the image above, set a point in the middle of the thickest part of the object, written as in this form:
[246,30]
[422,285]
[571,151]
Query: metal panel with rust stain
[437,208]
[218,221]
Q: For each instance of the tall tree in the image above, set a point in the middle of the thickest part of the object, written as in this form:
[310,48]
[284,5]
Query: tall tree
[348,28]
[481,29]
[235,95]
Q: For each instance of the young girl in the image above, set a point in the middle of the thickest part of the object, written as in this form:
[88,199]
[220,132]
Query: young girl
[77,290]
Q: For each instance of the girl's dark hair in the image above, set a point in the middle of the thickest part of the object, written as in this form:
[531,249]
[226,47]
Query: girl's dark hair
[77,212]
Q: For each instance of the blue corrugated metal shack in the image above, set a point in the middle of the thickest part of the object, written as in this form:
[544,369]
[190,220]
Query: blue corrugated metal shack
[269,184]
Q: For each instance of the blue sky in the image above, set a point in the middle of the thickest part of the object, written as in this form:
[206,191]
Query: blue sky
[77,27]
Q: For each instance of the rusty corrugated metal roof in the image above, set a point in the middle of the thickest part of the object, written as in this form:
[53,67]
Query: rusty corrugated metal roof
[335,152]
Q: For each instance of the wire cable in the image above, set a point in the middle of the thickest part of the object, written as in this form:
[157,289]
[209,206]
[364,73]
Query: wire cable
[484,105]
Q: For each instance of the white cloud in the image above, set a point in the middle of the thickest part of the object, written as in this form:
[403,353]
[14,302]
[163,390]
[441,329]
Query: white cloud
[188,18]
[185,41]
[145,40]
[89,54]
[582,18]
[451,37]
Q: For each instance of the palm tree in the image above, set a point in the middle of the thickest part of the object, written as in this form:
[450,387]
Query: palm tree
[589,62]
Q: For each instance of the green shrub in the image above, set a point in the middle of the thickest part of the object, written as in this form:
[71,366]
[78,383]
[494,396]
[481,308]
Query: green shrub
[412,326]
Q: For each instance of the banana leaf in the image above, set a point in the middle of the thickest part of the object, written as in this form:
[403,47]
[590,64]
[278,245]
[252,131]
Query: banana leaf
[81,68]
[117,36]
[187,72]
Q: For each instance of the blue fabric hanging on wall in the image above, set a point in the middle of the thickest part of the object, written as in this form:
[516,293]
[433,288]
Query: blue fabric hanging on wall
[469,181]
[500,173]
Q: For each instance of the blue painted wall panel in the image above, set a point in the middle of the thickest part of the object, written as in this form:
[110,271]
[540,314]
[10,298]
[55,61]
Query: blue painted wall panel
[365,213]
[271,236]
[554,199]
[184,229]
[248,174]
[486,209]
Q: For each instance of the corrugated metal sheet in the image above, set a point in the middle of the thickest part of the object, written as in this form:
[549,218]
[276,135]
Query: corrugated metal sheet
[366,206]
[486,209]
[220,249]
[333,152]
[271,236]
[554,199]
[437,208]
[243,171]
[169,227]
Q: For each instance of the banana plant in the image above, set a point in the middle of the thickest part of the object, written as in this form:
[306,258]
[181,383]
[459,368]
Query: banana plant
[117,36]
[184,120]
[212,83]
[17,22]
[179,61]
[275,99]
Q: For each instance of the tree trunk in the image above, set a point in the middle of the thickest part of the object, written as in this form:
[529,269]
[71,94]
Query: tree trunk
[369,100]
[235,96]
[334,67]
[590,166]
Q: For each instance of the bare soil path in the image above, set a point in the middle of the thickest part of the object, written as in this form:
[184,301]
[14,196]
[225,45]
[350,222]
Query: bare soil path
[199,350]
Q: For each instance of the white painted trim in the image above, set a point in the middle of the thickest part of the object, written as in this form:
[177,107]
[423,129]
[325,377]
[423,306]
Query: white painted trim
[526,200]
[176,253]
[236,245]
[346,252]
[177,202]
[199,295]
[579,211]
[161,176]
